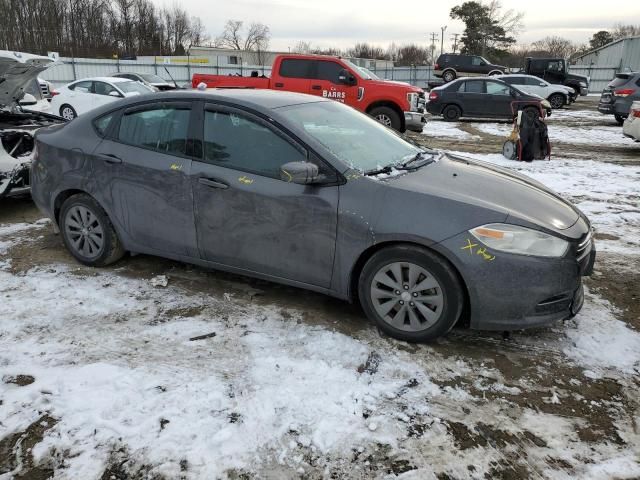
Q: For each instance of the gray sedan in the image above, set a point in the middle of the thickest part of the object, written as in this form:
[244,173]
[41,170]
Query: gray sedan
[311,193]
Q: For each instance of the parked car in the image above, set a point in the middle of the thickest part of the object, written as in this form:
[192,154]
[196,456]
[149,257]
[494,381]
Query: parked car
[621,92]
[482,97]
[18,76]
[397,105]
[557,95]
[631,126]
[554,70]
[450,66]
[151,80]
[84,95]
[311,193]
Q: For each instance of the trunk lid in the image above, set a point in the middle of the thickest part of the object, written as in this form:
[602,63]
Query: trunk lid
[16,70]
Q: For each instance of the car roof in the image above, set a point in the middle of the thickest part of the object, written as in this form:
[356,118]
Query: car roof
[104,79]
[256,99]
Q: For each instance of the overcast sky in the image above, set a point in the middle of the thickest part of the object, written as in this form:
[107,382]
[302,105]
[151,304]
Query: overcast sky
[341,23]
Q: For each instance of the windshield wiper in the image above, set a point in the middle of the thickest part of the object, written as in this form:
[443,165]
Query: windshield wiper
[406,164]
[378,171]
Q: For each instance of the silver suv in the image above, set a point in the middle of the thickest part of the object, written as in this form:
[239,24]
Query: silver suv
[621,92]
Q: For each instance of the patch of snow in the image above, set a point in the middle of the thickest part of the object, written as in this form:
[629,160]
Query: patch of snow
[440,128]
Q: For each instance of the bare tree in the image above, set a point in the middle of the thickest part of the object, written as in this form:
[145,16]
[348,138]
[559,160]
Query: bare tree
[257,37]
[365,50]
[622,31]
[556,47]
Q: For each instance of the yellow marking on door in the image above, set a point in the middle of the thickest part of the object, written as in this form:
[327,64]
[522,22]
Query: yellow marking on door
[245,180]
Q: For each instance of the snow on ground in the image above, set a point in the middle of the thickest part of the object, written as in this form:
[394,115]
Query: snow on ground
[607,193]
[440,128]
[124,365]
[568,134]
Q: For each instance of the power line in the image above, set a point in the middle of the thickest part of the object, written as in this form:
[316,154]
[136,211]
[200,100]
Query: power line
[434,39]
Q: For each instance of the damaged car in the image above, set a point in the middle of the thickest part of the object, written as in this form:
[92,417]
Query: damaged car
[18,124]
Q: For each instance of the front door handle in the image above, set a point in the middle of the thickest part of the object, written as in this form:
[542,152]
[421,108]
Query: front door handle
[279,85]
[109,158]
[209,182]
[316,87]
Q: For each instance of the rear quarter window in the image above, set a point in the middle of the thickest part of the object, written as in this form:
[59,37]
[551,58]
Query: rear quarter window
[101,124]
[620,80]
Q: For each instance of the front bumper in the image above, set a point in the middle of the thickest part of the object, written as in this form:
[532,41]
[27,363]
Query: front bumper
[414,121]
[619,107]
[514,292]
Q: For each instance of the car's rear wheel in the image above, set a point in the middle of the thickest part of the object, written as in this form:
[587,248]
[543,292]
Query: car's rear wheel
[88,233]
[411,293]
[452,113]
[620,118]
[68,112]
[387,116]
[449,76]
[557,100]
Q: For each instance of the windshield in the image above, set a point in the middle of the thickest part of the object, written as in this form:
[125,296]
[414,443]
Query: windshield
[354,138]
[151,78]
[367,74]
[132,87]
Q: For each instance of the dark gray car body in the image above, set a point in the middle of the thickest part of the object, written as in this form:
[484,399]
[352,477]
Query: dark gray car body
[612,104]
[319,236]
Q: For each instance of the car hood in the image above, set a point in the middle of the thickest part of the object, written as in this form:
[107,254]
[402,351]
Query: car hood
[406,87]
[580,78]
[484,185]
[16,70]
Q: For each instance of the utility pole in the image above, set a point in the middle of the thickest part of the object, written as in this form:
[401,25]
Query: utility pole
[454,37]
[442,29]
[434,39]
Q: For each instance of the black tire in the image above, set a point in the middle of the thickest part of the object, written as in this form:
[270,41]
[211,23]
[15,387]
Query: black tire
[448,287]
[452,113]
[449,76]
[495,72]
[98,227]
[557,100]
[620,118]
[67,112]
[387,116]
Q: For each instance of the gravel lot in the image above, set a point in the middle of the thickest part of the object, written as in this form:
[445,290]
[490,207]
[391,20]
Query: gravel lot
[106,376]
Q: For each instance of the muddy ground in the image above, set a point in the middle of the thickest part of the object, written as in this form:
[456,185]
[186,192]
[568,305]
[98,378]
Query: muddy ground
[599,406]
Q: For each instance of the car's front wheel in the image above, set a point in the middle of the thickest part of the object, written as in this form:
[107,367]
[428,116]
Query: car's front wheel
[88,233]
[411,293]
[387,116]
[68,112]
[557,100]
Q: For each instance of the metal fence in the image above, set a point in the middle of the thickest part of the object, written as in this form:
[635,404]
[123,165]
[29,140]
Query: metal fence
[69,70]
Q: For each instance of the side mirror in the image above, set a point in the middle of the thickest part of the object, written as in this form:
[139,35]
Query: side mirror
[483,64]
[113,93]
[302,173]
[346,77]
[28,99]
[514,93]
[542,84]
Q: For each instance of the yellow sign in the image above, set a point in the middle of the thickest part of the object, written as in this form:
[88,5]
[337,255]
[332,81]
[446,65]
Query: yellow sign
[170,60]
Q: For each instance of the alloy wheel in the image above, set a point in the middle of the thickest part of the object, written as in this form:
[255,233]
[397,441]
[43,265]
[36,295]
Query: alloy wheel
[84,232]
[384,119]
[407,296]
[68,113]
[556,101]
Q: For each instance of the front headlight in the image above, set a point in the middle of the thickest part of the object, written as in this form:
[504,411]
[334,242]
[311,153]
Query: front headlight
[412,98]
[583,84]
[546,104]
[520,240]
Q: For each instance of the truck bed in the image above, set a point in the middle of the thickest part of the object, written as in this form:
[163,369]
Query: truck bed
[230,81]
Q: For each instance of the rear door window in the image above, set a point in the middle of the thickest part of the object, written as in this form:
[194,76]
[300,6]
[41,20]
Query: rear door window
[162,128]
[82,87]
[495,88]
[473,87]
[296,68]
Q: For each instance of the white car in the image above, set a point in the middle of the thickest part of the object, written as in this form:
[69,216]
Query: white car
[84,95]
[558,95]
[631,127]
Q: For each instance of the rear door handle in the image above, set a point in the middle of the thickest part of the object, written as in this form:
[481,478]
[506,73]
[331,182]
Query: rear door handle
[110,158]
[316,87]
[279,85]
[213,183]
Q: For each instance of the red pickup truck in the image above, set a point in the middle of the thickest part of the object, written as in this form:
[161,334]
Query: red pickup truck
[395,104]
